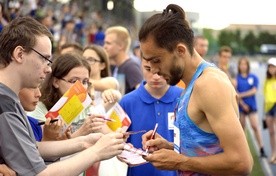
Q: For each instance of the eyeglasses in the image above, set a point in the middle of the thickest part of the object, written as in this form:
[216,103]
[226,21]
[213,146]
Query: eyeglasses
[84,82]
[44,57]
[92,60]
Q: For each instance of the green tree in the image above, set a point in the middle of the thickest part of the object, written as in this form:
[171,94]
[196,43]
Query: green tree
[250,42]
[225,38]
[213,44]
[267,38]
[232,39]
[237,42]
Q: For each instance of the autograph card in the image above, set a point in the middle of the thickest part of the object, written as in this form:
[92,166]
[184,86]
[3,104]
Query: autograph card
[133,156]
[71,104]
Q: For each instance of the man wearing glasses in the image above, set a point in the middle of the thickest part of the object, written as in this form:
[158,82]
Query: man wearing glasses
[47,59]
[25,52]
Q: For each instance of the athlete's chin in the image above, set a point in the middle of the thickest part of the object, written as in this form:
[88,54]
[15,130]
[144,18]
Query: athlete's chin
[173,82]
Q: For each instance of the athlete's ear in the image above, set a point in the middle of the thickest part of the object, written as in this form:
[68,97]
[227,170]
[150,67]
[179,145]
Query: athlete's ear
[181,49]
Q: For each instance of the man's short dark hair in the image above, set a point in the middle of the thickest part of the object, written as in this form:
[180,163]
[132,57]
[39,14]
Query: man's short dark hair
[21,31]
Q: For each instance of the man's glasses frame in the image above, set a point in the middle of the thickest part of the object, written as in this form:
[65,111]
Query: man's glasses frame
[44,57]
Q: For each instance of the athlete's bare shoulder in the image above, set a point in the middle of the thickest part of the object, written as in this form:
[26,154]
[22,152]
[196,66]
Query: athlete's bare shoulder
[214,83]
[214,76]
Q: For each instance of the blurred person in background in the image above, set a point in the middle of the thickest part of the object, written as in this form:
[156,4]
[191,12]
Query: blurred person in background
[100,68]
[68,34]
[101,78]
[4,18]
[14,9]
[91,31]
[270,105]
[136,52]
[45,18]
[70,48]
[224,56]
[247,86]
[201,45]
[99,36]
[128,72]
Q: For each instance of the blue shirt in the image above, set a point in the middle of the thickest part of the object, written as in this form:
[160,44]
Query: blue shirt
[246,83]
[145,111]
[36,128]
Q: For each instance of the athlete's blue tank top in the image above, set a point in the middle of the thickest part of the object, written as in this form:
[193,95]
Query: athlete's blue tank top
[193,140]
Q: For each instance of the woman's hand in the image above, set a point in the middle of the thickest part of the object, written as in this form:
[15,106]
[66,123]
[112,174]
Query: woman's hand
[92,124]
[111,96]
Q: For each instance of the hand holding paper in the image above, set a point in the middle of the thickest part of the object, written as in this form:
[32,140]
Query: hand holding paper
[119,118]
[132,156]
[134,150]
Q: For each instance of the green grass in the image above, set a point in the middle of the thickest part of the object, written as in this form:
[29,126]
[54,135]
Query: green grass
[257,168]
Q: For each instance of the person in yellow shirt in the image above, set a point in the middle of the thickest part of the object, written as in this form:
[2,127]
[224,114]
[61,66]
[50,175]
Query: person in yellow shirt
[270,105]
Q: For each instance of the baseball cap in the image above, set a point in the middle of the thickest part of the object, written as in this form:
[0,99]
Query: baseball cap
[272,61]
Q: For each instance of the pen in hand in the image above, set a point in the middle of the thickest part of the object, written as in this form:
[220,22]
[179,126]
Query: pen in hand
[110,120]
[52,121]
[153,134]
[126,134]
[135,132]
[104,118]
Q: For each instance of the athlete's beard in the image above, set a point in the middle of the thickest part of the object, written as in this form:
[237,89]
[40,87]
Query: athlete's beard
[176,73]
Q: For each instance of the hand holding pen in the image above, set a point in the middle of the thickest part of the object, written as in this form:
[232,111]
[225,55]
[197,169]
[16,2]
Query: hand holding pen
[102,117]
[53,129]
[152,141]
[128,133]
[149,136]
[51,121]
